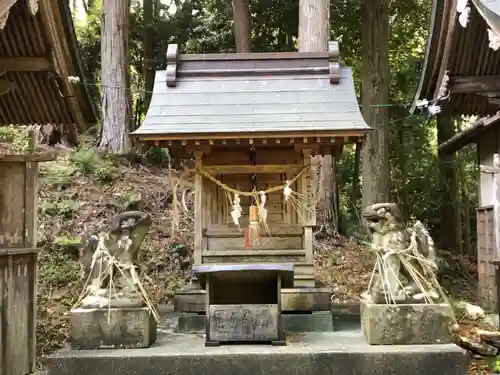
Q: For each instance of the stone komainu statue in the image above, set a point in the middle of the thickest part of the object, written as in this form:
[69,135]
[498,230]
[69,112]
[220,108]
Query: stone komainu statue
[406,264]
[108,262]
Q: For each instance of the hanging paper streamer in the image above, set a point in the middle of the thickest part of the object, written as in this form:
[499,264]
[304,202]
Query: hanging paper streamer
[236,212]
[287,191]
[262,209]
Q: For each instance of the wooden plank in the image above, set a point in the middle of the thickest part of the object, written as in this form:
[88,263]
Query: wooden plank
[3,320]
[231,231]
[18,336]
[27,158]
[474,84]
[19,251]
[244,322]
[496,205]
[265,243]
[208,258]
[12,180]
[25,64]
[251,252]
[256,135]
[247,169]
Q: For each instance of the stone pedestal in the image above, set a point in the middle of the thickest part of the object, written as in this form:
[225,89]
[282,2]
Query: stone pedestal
[126,328]
[406,324]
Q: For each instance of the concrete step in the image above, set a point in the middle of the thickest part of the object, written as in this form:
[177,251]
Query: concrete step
[331,353]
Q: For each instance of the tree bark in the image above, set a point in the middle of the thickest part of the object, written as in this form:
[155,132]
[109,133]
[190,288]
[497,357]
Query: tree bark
[314,25]
[375,83]
[116,104]
[450,221]
[241,21]
[149,57]
[314,34]
[466,204]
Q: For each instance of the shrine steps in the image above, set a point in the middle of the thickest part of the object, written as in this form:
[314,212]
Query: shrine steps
[339,353]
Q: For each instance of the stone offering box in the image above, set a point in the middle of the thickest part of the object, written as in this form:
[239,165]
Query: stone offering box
[243,302]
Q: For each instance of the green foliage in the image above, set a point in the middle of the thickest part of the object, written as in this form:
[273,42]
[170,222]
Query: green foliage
[56,174]
[89,163]
[15,136]
[64,209]
[157,156]
[61,271]
[68,243]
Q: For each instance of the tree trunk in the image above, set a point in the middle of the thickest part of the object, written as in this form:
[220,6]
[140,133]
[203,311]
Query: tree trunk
[241,21]
[466,233]
[356,188]
[314,34]
[314,25]
[116,105]
[450,222]
[149,57]
[375,83]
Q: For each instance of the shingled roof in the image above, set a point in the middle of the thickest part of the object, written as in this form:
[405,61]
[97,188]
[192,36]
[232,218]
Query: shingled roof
[38,52]
[462,58]
[280,94]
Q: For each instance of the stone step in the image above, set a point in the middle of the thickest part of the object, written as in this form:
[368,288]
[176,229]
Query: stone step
[330,353]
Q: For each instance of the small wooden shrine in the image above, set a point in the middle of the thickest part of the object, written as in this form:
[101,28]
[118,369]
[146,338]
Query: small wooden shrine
[252,122]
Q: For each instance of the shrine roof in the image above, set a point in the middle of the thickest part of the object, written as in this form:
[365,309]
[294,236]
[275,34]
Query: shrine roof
[253,93]
[461,57]
[38,52]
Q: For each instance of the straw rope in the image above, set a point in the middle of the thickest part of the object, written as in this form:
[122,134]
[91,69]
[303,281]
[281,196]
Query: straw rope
[425,282]
[249,193]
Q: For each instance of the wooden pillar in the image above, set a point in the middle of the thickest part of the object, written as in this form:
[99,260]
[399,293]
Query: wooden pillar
[309,211]
[198,217]
[18,261]
[495,171]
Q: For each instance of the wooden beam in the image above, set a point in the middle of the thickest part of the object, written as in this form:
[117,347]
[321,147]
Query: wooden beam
[25,64]
[474,84]
[246,169]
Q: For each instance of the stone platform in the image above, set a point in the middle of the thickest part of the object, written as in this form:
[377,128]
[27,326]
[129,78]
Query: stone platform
[339,353]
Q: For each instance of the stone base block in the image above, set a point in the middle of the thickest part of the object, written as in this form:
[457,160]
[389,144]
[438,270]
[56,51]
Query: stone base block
[292,299]
[319,321]
[116,328]
[406,324]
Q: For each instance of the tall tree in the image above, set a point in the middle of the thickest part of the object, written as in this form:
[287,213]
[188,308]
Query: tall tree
[116,104]
[314,34]
[375,84]
[450,233]
[149,50]
[241,22]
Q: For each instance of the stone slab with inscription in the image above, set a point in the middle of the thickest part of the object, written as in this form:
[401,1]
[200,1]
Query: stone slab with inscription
[243,323]
[116,328]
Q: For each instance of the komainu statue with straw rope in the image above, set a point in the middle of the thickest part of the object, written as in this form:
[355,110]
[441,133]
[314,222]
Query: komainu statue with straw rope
[404,303]
[109,263]
[405,270]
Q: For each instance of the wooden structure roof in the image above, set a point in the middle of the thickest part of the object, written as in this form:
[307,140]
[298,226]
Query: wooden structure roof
[252,95]
[463,57]
[38,52]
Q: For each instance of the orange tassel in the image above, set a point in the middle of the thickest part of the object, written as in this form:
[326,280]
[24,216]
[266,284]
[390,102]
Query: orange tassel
[248,239]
